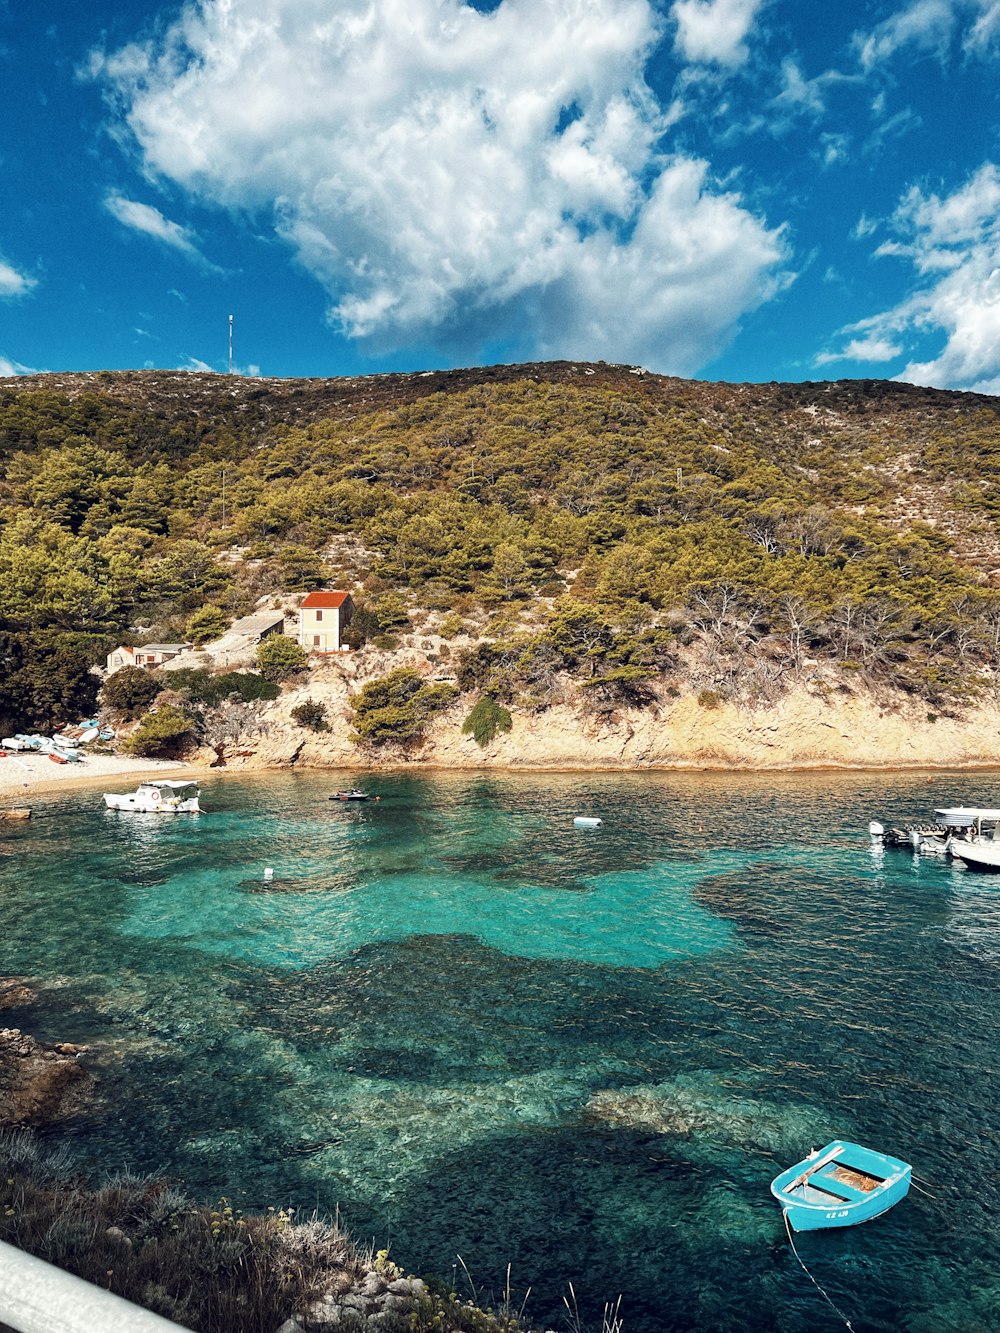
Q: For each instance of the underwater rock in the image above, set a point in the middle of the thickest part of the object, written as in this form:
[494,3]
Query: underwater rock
[38,1083]
[706,1108]
[15,993]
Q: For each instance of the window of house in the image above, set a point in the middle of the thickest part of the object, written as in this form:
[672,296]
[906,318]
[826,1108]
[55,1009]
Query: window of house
[317,640]
[319,616]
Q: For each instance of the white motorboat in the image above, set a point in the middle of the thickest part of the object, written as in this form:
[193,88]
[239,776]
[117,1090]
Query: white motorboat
[158,798]
[978,855]
[954,827]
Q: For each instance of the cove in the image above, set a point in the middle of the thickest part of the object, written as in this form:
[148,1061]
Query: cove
[482,1032]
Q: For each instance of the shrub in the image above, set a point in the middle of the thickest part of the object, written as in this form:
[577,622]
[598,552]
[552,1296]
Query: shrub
[164,731]
[205,688]
[709,699]
[311,715]
[279,657]
[486,719]
[130,691]
[451,625]
[206,624]
[397,707]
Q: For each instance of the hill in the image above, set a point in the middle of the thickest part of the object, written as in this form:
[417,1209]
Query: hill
[545,532]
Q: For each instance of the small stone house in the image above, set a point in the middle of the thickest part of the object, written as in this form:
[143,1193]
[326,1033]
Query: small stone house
[323,616]
[148,655]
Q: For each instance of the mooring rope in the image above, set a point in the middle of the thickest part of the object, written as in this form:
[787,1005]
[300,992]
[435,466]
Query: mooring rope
[835,1308]
[926,1193]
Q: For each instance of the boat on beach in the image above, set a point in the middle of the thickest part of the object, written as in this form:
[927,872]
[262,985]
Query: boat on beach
[840,1185]
[158,798]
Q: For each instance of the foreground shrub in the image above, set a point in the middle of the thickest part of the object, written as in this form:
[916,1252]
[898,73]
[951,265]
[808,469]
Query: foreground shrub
[208,1269]
[130,691]
[398,707]
[163,732]
[486,719]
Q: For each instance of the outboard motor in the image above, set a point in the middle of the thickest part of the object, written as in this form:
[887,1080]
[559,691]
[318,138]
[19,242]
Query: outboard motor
[877,831]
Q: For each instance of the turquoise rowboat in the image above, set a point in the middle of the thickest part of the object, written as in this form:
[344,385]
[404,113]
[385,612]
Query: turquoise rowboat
[839,1186]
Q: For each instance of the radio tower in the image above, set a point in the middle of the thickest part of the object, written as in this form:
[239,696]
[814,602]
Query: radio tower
[230,344]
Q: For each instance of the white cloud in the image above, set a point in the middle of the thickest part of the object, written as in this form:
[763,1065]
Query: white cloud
[151,222]
[714,31]
[9,368]
[953,244]
[863,349]
[448,174]
[13,283]
[924,24]
[985,32]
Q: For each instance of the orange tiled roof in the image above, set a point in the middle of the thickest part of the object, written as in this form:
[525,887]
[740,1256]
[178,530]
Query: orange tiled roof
[325,600]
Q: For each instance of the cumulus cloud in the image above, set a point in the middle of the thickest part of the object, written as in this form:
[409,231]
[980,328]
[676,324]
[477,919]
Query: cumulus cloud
[13,283]
[151,222]
[714,31]
[454,175]
[953,244]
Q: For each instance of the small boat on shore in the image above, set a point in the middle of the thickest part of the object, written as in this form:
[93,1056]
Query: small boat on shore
[158,798]
[840,1185]
[354,794]
[16,812]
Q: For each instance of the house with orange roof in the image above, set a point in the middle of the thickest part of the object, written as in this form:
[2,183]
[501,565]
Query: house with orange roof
[323,616]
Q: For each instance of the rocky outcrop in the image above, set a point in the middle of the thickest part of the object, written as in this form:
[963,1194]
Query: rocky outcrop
[39,1083]
[814,724]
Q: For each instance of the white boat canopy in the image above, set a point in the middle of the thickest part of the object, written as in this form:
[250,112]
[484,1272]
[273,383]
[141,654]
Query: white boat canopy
[179,786]
[963,816]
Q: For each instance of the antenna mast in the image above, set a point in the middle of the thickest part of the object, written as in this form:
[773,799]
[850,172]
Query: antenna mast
[230,344]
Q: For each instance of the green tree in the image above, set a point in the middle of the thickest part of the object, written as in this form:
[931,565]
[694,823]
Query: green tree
[46,679]
[130,690]
[397,707]
[279,657]
[486,720]
[167,730]
[206,624]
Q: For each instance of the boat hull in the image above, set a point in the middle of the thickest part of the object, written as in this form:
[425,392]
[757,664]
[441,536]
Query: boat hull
[817,1194]
[142,807]
[978,856]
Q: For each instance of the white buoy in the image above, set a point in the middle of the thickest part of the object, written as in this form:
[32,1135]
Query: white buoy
[269,873]
[585,821]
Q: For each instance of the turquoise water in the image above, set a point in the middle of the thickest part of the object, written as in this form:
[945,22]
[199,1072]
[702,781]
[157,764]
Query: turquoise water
[480,1031]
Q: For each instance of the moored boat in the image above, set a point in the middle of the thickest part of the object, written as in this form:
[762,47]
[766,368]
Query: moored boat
[978,855]
[954,826]
[354,794]
[840,1185]
[158,798]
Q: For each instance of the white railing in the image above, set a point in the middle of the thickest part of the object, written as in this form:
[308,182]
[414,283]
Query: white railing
[36,1297]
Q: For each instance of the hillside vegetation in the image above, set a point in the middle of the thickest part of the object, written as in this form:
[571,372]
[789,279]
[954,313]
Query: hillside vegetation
[625,530]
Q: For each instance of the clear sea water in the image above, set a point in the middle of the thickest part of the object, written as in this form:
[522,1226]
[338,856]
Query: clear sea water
[480,1031]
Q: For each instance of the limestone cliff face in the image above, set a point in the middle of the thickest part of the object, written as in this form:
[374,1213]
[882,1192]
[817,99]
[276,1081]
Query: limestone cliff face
[811,726]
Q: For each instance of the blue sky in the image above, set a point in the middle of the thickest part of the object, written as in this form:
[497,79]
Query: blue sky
[731,189]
